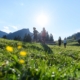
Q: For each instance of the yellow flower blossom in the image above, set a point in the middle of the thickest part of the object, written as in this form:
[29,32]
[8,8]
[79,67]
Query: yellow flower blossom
[23,53]
[9,48]
[21,61]
[19,47]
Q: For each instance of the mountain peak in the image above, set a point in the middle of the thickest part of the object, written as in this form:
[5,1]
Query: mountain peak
[20,33]
[2,33]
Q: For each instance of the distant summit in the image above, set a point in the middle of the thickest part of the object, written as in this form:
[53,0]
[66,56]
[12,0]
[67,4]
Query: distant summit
[2,33]
[75,36]
[20,33]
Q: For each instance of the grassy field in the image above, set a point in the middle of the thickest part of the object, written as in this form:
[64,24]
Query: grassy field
[36,61]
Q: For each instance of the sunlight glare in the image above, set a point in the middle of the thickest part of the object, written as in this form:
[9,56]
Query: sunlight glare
[42,20]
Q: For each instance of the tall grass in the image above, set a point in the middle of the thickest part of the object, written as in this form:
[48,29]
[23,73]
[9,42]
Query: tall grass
[39,62]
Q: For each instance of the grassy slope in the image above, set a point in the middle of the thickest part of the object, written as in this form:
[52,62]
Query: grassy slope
[42,62]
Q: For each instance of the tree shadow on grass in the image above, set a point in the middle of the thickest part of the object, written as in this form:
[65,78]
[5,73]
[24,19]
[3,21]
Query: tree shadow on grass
[33,47]
[46,48]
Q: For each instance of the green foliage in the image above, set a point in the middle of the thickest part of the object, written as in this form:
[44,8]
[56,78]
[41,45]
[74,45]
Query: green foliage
[51,38]
[79,41]
[17,38]
[4,36]
[61,64]
[27,38]
[47,36]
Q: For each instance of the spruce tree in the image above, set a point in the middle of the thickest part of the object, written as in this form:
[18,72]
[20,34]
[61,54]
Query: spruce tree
[51,38]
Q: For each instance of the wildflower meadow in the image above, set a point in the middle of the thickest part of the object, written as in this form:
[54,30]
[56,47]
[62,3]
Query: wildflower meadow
[36,61]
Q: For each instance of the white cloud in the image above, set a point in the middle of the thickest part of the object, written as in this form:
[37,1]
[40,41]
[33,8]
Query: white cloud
[9,28]
[14,27]
[6,29]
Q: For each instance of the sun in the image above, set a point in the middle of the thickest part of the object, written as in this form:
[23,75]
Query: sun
[42,20]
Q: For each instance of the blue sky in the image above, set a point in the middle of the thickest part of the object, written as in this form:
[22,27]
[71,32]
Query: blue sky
[59,17]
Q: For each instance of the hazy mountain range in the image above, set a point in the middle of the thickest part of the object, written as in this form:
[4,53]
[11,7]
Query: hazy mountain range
[20,33]
[3,33]
[75,36]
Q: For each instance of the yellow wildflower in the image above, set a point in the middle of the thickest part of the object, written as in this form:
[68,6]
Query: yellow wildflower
[19,47]
[23,53]
[9,48]
[21,61]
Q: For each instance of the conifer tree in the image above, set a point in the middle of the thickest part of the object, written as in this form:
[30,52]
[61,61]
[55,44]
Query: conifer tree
[51,38]
[4,36]
[35,32]
[47,36]
[27,38]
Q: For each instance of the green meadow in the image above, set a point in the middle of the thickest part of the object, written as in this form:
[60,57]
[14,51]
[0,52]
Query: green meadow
[41,62]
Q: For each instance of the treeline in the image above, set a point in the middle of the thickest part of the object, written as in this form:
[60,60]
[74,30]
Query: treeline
[37,36]
[26,38]
[42,36]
